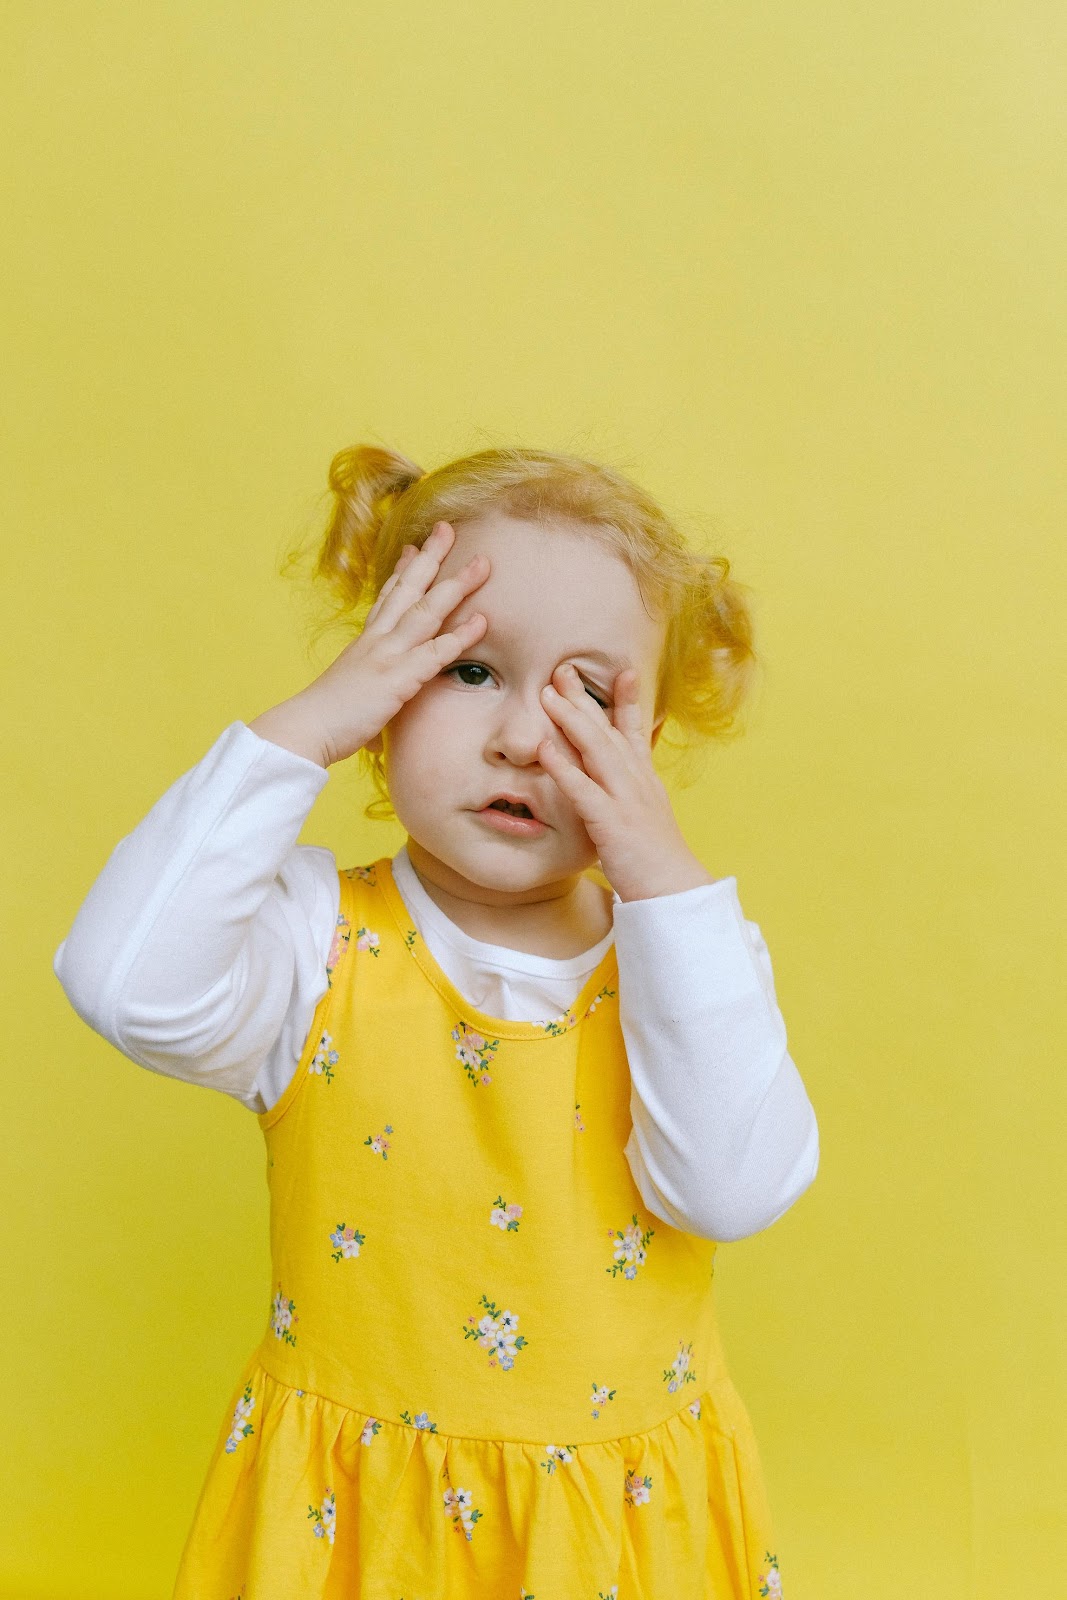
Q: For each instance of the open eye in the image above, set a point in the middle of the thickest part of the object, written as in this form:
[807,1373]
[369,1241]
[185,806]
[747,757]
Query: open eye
[466,666]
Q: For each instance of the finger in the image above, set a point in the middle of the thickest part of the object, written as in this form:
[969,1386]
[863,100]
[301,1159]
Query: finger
[572,780]
[628,717]
[419,583]
[587,728]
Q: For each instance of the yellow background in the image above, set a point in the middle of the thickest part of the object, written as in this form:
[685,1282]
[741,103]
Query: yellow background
[800,269]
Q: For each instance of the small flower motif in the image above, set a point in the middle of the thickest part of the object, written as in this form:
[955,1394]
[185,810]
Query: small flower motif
[496,1333]
[680,1371]
[366,874]
[325,1058]
[694,1409]
[601,1395]
[346,1242]
[458,1506]
[241,1427]
[379,1143]
[638,1489]
[366,940]
[559,1024]
[370,1428]
[578,1123]
[421,1420]
[341,936]
[325,1517]
[474,1051]
[608,1594]
[282,1316]
[559,1455]
[504,1216]
[300,1392]
[770,1582]
[604,993]
[630,1247]
[410,937]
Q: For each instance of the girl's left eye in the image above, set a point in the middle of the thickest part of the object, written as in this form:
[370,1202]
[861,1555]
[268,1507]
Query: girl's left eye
[476,666]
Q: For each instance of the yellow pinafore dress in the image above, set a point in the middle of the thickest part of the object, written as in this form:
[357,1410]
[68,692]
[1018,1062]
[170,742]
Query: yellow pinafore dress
[488,1372]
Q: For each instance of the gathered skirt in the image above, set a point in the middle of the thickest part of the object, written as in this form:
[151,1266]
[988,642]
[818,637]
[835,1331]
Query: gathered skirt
[306,1499]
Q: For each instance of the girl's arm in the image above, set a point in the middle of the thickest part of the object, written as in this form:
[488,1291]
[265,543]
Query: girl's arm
[724,1136]
[203,942]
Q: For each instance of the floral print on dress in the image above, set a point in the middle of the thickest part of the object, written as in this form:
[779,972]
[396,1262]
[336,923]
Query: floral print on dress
[608,1594]
[458,1506]
[325,1058]
[559,1455]
[630,1248]
[379,1143]
[240,1428]
[601,1395]
[282,1317]
[578,1123]
[559,1024]
[365,874]
[370,1428]
[367,940]
[421,1419]
[475,1052]
[694,1409]
[496,1333]
[325,1517]
[638,1489]
[680,1371]
[346,1242]
[341,935]
[505,1217]
[604,994]
[770,1582]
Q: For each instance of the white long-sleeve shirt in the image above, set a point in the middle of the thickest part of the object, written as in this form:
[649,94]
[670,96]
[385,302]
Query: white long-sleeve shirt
[200,952]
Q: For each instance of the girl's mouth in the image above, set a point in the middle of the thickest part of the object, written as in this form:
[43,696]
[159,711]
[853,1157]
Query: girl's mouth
[507,822]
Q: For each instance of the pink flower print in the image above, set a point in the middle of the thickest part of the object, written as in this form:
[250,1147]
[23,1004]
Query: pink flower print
[638,1489]
[559,1455]
[240,1428]
[365,874]
[770,1582]
[346,1242]
[282,1317]
[578,1123]
[325,1058]
[694,1409]
[474,1052]
[325,1517]
[379,1143]
[504,1216]
[601,1395]
[630,1247]
[366,940]
[458,1506]
[680,1371]
[559,1024]
[604,993]
[421,1419]
[341,935]
[496,1333]
[370,1428]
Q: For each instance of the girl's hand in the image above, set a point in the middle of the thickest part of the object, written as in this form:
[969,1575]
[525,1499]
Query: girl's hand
[606,772]
[399,649]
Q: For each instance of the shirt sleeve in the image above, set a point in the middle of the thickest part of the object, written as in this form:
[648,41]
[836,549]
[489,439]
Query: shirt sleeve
[200,950]
[724,1137]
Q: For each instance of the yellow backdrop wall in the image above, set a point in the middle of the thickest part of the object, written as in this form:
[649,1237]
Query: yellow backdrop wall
[801,270]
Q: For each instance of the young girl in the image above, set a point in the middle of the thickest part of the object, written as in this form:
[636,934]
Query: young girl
[515,1082]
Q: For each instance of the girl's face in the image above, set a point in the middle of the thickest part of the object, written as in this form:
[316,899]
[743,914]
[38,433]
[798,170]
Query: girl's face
[553,595]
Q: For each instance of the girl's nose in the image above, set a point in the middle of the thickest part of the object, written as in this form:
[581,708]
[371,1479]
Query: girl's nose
[522,724]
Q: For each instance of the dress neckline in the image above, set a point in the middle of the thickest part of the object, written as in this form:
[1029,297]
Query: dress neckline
[498,1027]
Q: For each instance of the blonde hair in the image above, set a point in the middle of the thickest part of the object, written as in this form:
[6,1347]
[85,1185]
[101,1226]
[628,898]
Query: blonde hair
[381,501]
